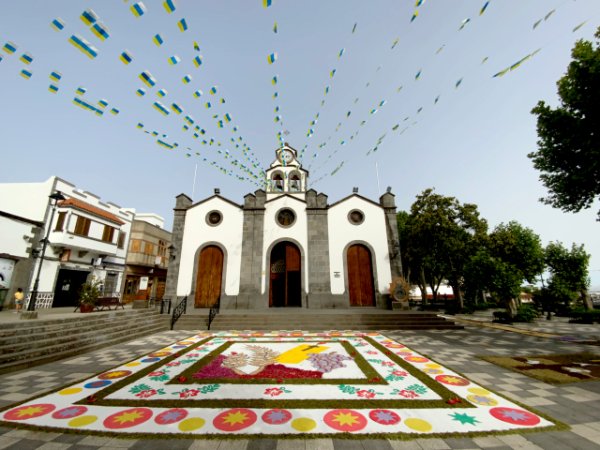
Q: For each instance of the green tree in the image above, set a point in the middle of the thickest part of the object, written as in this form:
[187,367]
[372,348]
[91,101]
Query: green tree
[568,155]
[569,276]
[516,255]
[442,234]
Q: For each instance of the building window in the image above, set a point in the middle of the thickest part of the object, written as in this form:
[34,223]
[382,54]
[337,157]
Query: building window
[60,221]
[162,248]
[108,233]
[148,248]
[121,240]
[294,183]
[285,217]
[356,217]
[135,246]
[277,183]
[82,226]
[214,218]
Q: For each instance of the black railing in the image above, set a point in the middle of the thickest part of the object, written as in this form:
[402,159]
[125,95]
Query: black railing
[178,311]
[165,306]
[214,310]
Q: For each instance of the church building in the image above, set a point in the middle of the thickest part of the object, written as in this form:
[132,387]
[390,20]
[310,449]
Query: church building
[285,246]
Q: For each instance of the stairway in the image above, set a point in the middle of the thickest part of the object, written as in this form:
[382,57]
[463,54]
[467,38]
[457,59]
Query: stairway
[302,319]
[28,343]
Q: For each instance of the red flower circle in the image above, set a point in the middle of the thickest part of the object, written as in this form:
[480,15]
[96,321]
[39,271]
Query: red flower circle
[384,417]
[234,419]
[345,420]
[127,418]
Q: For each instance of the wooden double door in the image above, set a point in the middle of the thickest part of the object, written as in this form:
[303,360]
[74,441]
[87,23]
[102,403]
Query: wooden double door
[210,274]
[285,281]
[361,288]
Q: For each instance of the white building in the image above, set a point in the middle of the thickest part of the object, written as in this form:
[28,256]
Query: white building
[87,238]
[285,246]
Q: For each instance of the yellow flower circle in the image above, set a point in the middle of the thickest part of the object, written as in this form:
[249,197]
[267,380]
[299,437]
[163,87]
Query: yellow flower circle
[191,424]
[303,424]
[70,391]
[479,391]
[82,421]
[418,425]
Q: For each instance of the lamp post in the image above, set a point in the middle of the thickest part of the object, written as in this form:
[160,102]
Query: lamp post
[56,197]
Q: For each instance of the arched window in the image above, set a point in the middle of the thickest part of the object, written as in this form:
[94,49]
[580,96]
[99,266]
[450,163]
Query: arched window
[277,182]
[295,184]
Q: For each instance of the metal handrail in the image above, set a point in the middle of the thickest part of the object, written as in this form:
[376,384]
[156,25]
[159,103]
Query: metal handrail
[165,306]
[214,310]
[178,311]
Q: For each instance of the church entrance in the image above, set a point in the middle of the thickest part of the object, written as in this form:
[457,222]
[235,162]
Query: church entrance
[210,273]
[361,288]
[285,285]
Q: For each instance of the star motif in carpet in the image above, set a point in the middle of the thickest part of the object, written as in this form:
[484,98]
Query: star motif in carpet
[384,416]
[346,419]
[464,419]
[235,418]
[514,415]
[30,411]
[128,416]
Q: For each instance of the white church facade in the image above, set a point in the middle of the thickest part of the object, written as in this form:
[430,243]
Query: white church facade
[285,246]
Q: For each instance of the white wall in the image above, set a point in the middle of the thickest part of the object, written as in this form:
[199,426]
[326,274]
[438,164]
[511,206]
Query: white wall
[152,219]
[197,233]
[11,237]
[371,231]
[27,200]
[298,232]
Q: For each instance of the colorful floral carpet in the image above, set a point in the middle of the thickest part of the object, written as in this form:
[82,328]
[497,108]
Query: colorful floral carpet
[277,384]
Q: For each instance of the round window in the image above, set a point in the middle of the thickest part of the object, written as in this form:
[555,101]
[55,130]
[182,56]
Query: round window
[356,217]
[286,217]
[214,218]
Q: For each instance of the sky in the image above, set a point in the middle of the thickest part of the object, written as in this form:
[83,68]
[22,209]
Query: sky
[368,97]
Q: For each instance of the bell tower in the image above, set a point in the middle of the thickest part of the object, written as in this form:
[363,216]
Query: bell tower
[285,174]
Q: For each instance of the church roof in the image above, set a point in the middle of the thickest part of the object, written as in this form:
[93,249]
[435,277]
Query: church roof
[355,195]
[216,196]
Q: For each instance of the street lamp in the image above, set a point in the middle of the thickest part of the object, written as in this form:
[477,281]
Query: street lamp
[56,197]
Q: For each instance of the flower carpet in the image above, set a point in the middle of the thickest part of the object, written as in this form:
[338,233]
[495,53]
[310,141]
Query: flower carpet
[277,384]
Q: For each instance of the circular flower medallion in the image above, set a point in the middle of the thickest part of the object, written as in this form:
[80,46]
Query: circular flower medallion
[452,380]
[127,418]
[97,384]
[171,416]
[482,400]
[160,353]
[384,417]
[114,374]
[276,416]
[234,419]
[29,411]
[149,360]
[82,421]
[515,416]
[345,420]
[416,359]
[69,413]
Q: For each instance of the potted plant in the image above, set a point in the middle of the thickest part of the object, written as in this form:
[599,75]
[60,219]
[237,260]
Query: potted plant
[88,295]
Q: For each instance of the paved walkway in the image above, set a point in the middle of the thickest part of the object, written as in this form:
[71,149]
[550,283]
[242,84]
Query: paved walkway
[575,404]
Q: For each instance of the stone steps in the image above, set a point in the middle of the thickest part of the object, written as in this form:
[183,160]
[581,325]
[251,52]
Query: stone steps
[317,322]
[25,344]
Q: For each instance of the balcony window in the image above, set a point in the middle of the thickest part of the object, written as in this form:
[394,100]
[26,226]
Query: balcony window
[148,248]
[60,221]
[121,240]
[108,234]
[82,226]
[135,246]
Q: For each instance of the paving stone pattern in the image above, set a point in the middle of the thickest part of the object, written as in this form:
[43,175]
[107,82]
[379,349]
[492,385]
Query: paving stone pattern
[575,404]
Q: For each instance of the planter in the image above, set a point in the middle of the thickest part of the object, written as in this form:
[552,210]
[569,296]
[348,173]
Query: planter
[85,308]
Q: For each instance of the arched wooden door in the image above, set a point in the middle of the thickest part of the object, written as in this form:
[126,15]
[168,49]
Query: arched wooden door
[285,284]
[210,273]
[361,288]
